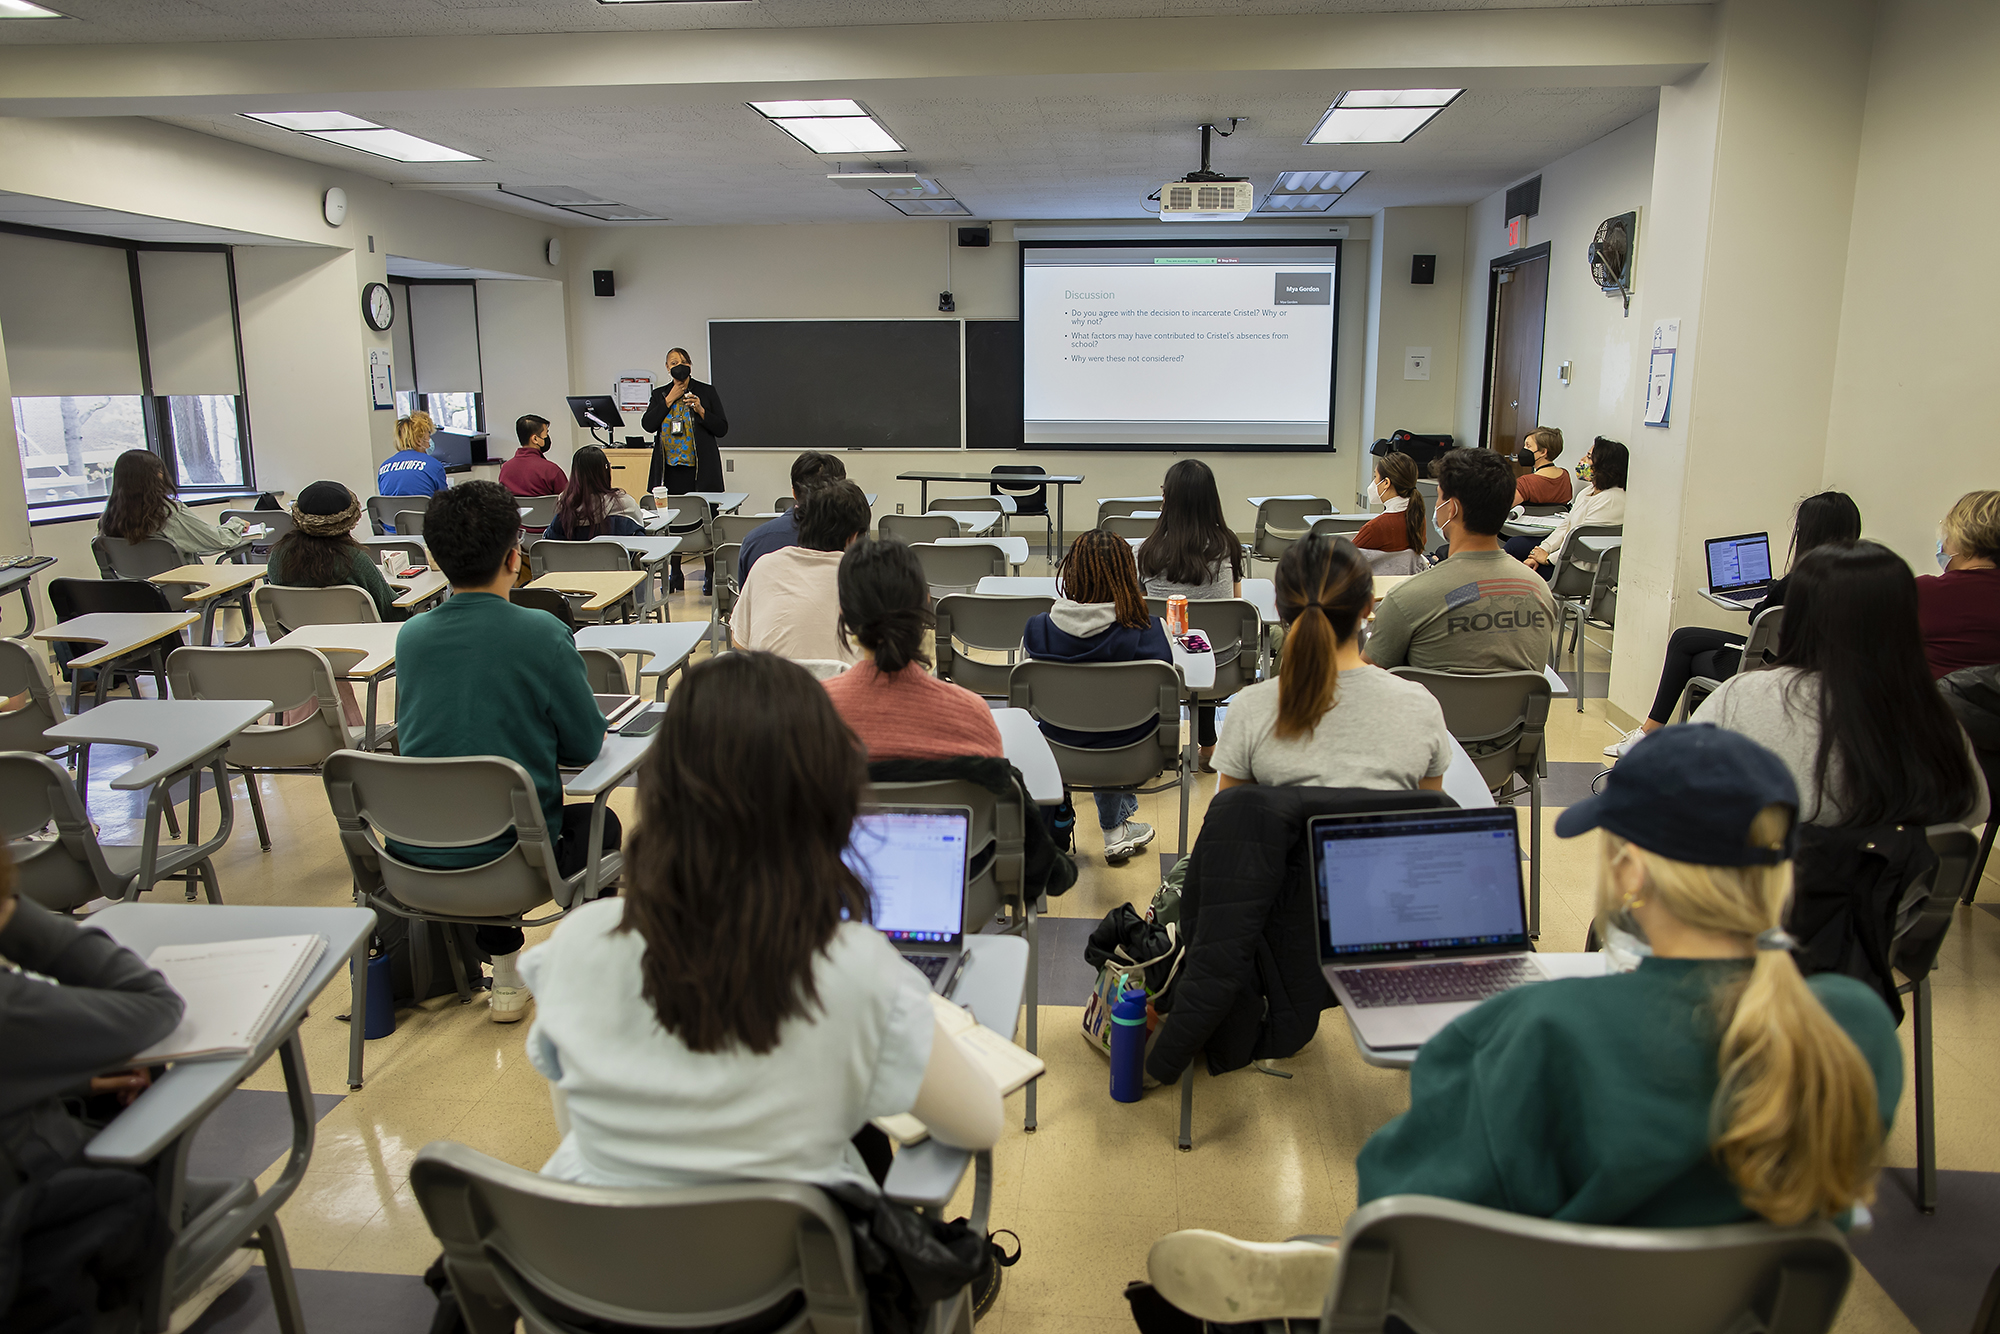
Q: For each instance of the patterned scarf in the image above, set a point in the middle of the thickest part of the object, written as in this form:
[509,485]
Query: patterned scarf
[680,448]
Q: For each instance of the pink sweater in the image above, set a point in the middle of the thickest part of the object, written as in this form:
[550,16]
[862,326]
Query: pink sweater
[911,715]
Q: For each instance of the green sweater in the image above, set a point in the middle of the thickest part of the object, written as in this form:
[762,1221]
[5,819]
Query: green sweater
[1588,1100]
[362,574]
[481,676]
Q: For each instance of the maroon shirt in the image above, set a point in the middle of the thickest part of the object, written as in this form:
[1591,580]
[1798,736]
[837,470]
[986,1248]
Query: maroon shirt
[529,473]
[1960,615]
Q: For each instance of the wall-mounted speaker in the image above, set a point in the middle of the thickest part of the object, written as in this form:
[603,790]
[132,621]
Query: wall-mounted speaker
[600,282]
[1423,268]
[975,236]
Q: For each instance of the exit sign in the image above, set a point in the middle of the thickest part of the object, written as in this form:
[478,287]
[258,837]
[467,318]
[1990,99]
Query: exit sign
[1517,232]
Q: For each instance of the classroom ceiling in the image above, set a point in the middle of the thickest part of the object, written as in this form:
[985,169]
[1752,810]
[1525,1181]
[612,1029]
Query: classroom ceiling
[277,20]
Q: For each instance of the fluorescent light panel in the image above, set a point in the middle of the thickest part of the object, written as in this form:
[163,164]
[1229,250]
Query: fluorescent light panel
[21,9]
[617,213]
[837,106]
[1316,182]
[1380,115]
[557,196]
[830,125]
[307,121]
[393,144]
[923,189]
[930,208]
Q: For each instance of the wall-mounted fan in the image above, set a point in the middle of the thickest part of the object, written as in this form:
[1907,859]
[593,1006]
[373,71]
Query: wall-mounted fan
[1611,253]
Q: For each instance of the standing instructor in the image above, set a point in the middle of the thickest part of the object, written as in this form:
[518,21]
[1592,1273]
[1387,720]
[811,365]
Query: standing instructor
[685,419]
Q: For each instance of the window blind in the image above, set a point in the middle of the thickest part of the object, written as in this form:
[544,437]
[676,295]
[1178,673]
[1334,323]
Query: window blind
[399,339]
[189,333]
[66,318]
[444,330]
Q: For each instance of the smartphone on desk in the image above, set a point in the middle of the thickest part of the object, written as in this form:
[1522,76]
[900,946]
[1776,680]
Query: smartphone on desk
[645,722]
[411,571]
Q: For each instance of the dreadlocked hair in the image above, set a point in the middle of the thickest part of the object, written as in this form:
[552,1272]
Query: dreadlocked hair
[1324,589]
[1099,568]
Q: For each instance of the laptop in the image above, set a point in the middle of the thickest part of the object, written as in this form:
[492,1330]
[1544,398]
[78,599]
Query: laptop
[1421,917]
[913,860]
[1739,569]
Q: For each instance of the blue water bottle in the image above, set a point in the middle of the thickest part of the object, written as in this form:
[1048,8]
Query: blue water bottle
[1128,1046]
[381,999]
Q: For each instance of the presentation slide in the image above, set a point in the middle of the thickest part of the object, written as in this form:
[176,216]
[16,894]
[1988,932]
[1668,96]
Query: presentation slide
[1179,345]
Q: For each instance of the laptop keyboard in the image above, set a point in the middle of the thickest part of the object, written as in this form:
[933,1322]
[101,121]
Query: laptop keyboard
[931,966]
[1436,983]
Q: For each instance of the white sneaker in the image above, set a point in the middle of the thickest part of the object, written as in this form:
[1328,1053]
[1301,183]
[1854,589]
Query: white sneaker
[508,1005]
[1126,839]
[222,1280]
[1616,750]
[1226,1282]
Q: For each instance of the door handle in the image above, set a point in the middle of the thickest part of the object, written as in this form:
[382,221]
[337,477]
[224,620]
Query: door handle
[1515,404]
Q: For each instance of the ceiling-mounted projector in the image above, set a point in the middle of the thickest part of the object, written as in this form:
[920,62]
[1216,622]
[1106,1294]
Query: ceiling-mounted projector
[1207,196]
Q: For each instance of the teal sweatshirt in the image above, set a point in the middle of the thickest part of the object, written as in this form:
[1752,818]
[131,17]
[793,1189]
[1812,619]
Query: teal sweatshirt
[1589,1099]
[481,676]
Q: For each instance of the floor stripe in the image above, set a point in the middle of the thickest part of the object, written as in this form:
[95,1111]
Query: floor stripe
[1936,1269]
[333,1301]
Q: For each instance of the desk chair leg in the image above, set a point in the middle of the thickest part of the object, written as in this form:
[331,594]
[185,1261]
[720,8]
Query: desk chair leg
[457,964]
[357,1012]
[1034,1000]
[1927,1182]
[256,808]
[211,888]
[1186,1142]
[1534,856]
[1979,862]
[284,1286]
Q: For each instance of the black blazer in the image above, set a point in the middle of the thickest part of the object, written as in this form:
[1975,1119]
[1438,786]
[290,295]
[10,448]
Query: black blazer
[709,426]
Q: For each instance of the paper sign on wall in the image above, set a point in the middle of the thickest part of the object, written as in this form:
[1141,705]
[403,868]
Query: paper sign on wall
[381,378]
[1416,363]
[634,392]
[1660,370]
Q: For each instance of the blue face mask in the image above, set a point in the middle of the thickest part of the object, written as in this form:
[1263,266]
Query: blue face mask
[1944,561]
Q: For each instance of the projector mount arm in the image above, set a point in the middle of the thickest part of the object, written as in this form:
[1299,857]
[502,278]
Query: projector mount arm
[1207,128]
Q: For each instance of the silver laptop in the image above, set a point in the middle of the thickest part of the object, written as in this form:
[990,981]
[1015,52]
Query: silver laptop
[1421,917]
[1739,569]
[913,860]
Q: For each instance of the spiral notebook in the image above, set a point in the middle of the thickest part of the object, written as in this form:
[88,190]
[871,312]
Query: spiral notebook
[234,991]
[1009,1066]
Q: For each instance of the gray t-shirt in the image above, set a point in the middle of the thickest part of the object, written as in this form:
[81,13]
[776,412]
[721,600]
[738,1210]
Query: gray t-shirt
[1383,733]
[1221,585]
[1479,611]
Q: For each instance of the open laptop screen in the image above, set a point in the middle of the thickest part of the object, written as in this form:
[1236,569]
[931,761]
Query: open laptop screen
[1430,882]
[913,862]
[1739,562]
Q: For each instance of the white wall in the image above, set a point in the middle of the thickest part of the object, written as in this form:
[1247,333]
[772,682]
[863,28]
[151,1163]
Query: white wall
[672,281]
[1584,327]
[1411,315]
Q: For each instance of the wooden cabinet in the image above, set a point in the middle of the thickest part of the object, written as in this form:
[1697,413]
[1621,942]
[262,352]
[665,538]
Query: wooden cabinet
[630,469]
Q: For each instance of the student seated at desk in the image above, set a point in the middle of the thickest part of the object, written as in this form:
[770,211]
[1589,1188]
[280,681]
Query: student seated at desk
[1714,1084]
[529,472]
[1400,526]
[1193,552]
[808,470]
[478,675]
[1479,609]
[74,1004]
[733,1016]
[1849,704]
[1960,608]
[1544,483]
[1697,650]
[590,505]
[1101,617]
[1602,502]
[413,470]
[898,709]
[790,605]
[320,551]
[1331,719]
[142,505]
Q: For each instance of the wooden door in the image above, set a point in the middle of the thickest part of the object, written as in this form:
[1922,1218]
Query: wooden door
[1520,309]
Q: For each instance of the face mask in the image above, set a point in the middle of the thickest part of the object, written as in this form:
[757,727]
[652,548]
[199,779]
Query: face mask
[1944,561]
[1583,471]
[1526,458]
[679,373]
[1441,520]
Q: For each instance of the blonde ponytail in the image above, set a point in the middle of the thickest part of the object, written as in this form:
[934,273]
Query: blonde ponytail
[1795,1123]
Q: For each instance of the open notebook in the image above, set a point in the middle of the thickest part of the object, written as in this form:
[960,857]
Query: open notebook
[1009,1066]
[234,989]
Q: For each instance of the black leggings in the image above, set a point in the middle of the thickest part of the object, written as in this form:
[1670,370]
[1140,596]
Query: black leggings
[1204,724]
[1519,547]
[572,855]
[1694,650]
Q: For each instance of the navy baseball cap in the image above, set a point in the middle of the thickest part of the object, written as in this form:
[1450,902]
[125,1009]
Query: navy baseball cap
[1689,793]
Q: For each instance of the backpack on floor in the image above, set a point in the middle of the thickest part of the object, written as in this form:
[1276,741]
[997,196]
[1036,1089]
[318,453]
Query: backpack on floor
[421,976]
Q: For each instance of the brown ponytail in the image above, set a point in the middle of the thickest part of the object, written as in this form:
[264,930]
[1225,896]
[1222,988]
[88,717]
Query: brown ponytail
[1400,472]
[1795,1121]
[1324,589]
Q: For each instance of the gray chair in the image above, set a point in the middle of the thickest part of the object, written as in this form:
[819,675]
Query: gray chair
[1922,919]
[1109,508]
[987,504]
[1236,634]
[1427,487]
[1343,525]
[1758,651]
[695,526]
[915,528]
[541,511]
[560,1256]
[605,671]
[24,671]
[783,503]
[382,510]
[552,556]
[68,868]
[1127,527]
[990,623]
[284,609]
[731,529]
[1106,698]
[1449,1268]
[410,522]
[278,521]
[548,600]
[996,866]
[727,557]
[1281,521]
[457,803]
[1598,607]
[290,677]
[139,561]
[1501,718]
[1572,582]
[958,569]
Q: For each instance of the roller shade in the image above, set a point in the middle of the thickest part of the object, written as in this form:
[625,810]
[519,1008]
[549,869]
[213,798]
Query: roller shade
[444,331]
[189,333]
[399,340]
[66,317]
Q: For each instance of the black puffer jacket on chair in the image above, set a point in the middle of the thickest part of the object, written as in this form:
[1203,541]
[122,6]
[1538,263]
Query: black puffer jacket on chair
[1251,988]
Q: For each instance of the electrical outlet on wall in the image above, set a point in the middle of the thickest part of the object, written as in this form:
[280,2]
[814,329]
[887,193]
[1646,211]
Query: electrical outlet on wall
[729,465]
[899,507]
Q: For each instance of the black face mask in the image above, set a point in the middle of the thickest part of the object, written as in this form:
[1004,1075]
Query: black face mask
[1526,458]
[680,373]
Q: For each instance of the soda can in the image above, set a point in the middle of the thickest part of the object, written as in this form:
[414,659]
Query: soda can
[1177,622]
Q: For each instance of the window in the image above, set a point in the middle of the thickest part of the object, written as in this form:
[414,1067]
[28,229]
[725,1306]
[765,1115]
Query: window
[454,412]
[69,443]
[114,345]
